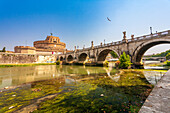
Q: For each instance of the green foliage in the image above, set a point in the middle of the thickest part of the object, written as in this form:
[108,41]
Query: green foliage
[168,56]
[163,54]
[114,55]
[106,63]
[4,50]
[168,63]
[124,61]
[58,62]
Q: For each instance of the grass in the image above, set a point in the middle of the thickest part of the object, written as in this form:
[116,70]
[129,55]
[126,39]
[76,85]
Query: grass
[25,64]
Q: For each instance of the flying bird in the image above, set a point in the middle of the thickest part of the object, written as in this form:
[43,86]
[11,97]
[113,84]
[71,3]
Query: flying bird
[108,19]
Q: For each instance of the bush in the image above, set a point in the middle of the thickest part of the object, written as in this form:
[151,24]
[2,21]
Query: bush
[168,63]
[168,56]
[117,63]
[125,62]
[106,63]
[58,62]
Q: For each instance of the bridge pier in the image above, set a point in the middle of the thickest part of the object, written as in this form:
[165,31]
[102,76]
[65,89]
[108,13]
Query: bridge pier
[137,65]
[133,66]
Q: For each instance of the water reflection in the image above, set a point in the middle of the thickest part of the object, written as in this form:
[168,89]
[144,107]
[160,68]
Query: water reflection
[18,75]
[153,76]
[114,77]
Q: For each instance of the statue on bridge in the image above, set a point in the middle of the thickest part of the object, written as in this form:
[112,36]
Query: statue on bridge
[75,49]
[124,37]
[132,36]
[92,46]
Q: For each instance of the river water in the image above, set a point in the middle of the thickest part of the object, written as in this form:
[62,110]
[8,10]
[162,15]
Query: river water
[158,65]
[85,89]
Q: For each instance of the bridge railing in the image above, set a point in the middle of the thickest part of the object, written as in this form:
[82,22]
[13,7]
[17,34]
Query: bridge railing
[155,35]
[159,34]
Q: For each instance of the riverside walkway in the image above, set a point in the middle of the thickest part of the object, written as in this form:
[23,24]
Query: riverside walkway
[159,99]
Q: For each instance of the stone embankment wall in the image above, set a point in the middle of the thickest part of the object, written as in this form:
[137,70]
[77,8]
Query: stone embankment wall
[9,58]
[159,99]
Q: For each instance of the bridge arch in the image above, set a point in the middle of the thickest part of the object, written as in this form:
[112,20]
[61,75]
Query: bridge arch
[103,54]
[61,58]
[82,57]
[70,58]
[141,49]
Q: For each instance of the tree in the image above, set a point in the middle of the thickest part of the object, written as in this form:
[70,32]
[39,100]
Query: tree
[168,63]
[3,50]
[58,62]
[114,55]
[162,54]
[125,62]
[168,56]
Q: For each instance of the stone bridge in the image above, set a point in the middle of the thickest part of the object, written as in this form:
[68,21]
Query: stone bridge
[154,58]
[134,47]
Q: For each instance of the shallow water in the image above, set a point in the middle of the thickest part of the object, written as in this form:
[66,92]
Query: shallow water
[18,75]
[86,89]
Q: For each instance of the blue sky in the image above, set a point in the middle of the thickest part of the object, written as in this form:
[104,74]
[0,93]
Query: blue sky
[78,22]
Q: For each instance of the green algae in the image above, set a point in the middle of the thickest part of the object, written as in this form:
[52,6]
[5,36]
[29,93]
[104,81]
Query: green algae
[102,95]
[17,98]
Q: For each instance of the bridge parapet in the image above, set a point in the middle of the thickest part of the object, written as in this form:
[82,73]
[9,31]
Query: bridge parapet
[150,36]
[155,35]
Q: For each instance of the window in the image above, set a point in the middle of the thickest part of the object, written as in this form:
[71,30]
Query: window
[54,40]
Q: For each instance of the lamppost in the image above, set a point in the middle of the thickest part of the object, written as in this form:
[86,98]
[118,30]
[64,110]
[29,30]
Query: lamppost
[151,30]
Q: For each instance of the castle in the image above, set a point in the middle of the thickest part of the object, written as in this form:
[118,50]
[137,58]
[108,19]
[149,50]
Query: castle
[51,45]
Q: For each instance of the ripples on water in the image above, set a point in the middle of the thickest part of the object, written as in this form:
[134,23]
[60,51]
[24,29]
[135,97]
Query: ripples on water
[87,89]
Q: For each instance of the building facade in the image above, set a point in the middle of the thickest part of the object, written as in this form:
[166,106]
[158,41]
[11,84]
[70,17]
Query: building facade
[51,45]
[25,49]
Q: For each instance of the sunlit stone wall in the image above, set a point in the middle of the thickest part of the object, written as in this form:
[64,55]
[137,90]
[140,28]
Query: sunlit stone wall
[8,58]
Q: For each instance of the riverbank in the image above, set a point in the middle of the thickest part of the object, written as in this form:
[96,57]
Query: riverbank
[159,99]
[25,64]
[157,66]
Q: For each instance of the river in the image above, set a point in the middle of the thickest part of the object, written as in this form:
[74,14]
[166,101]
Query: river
[80,88]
